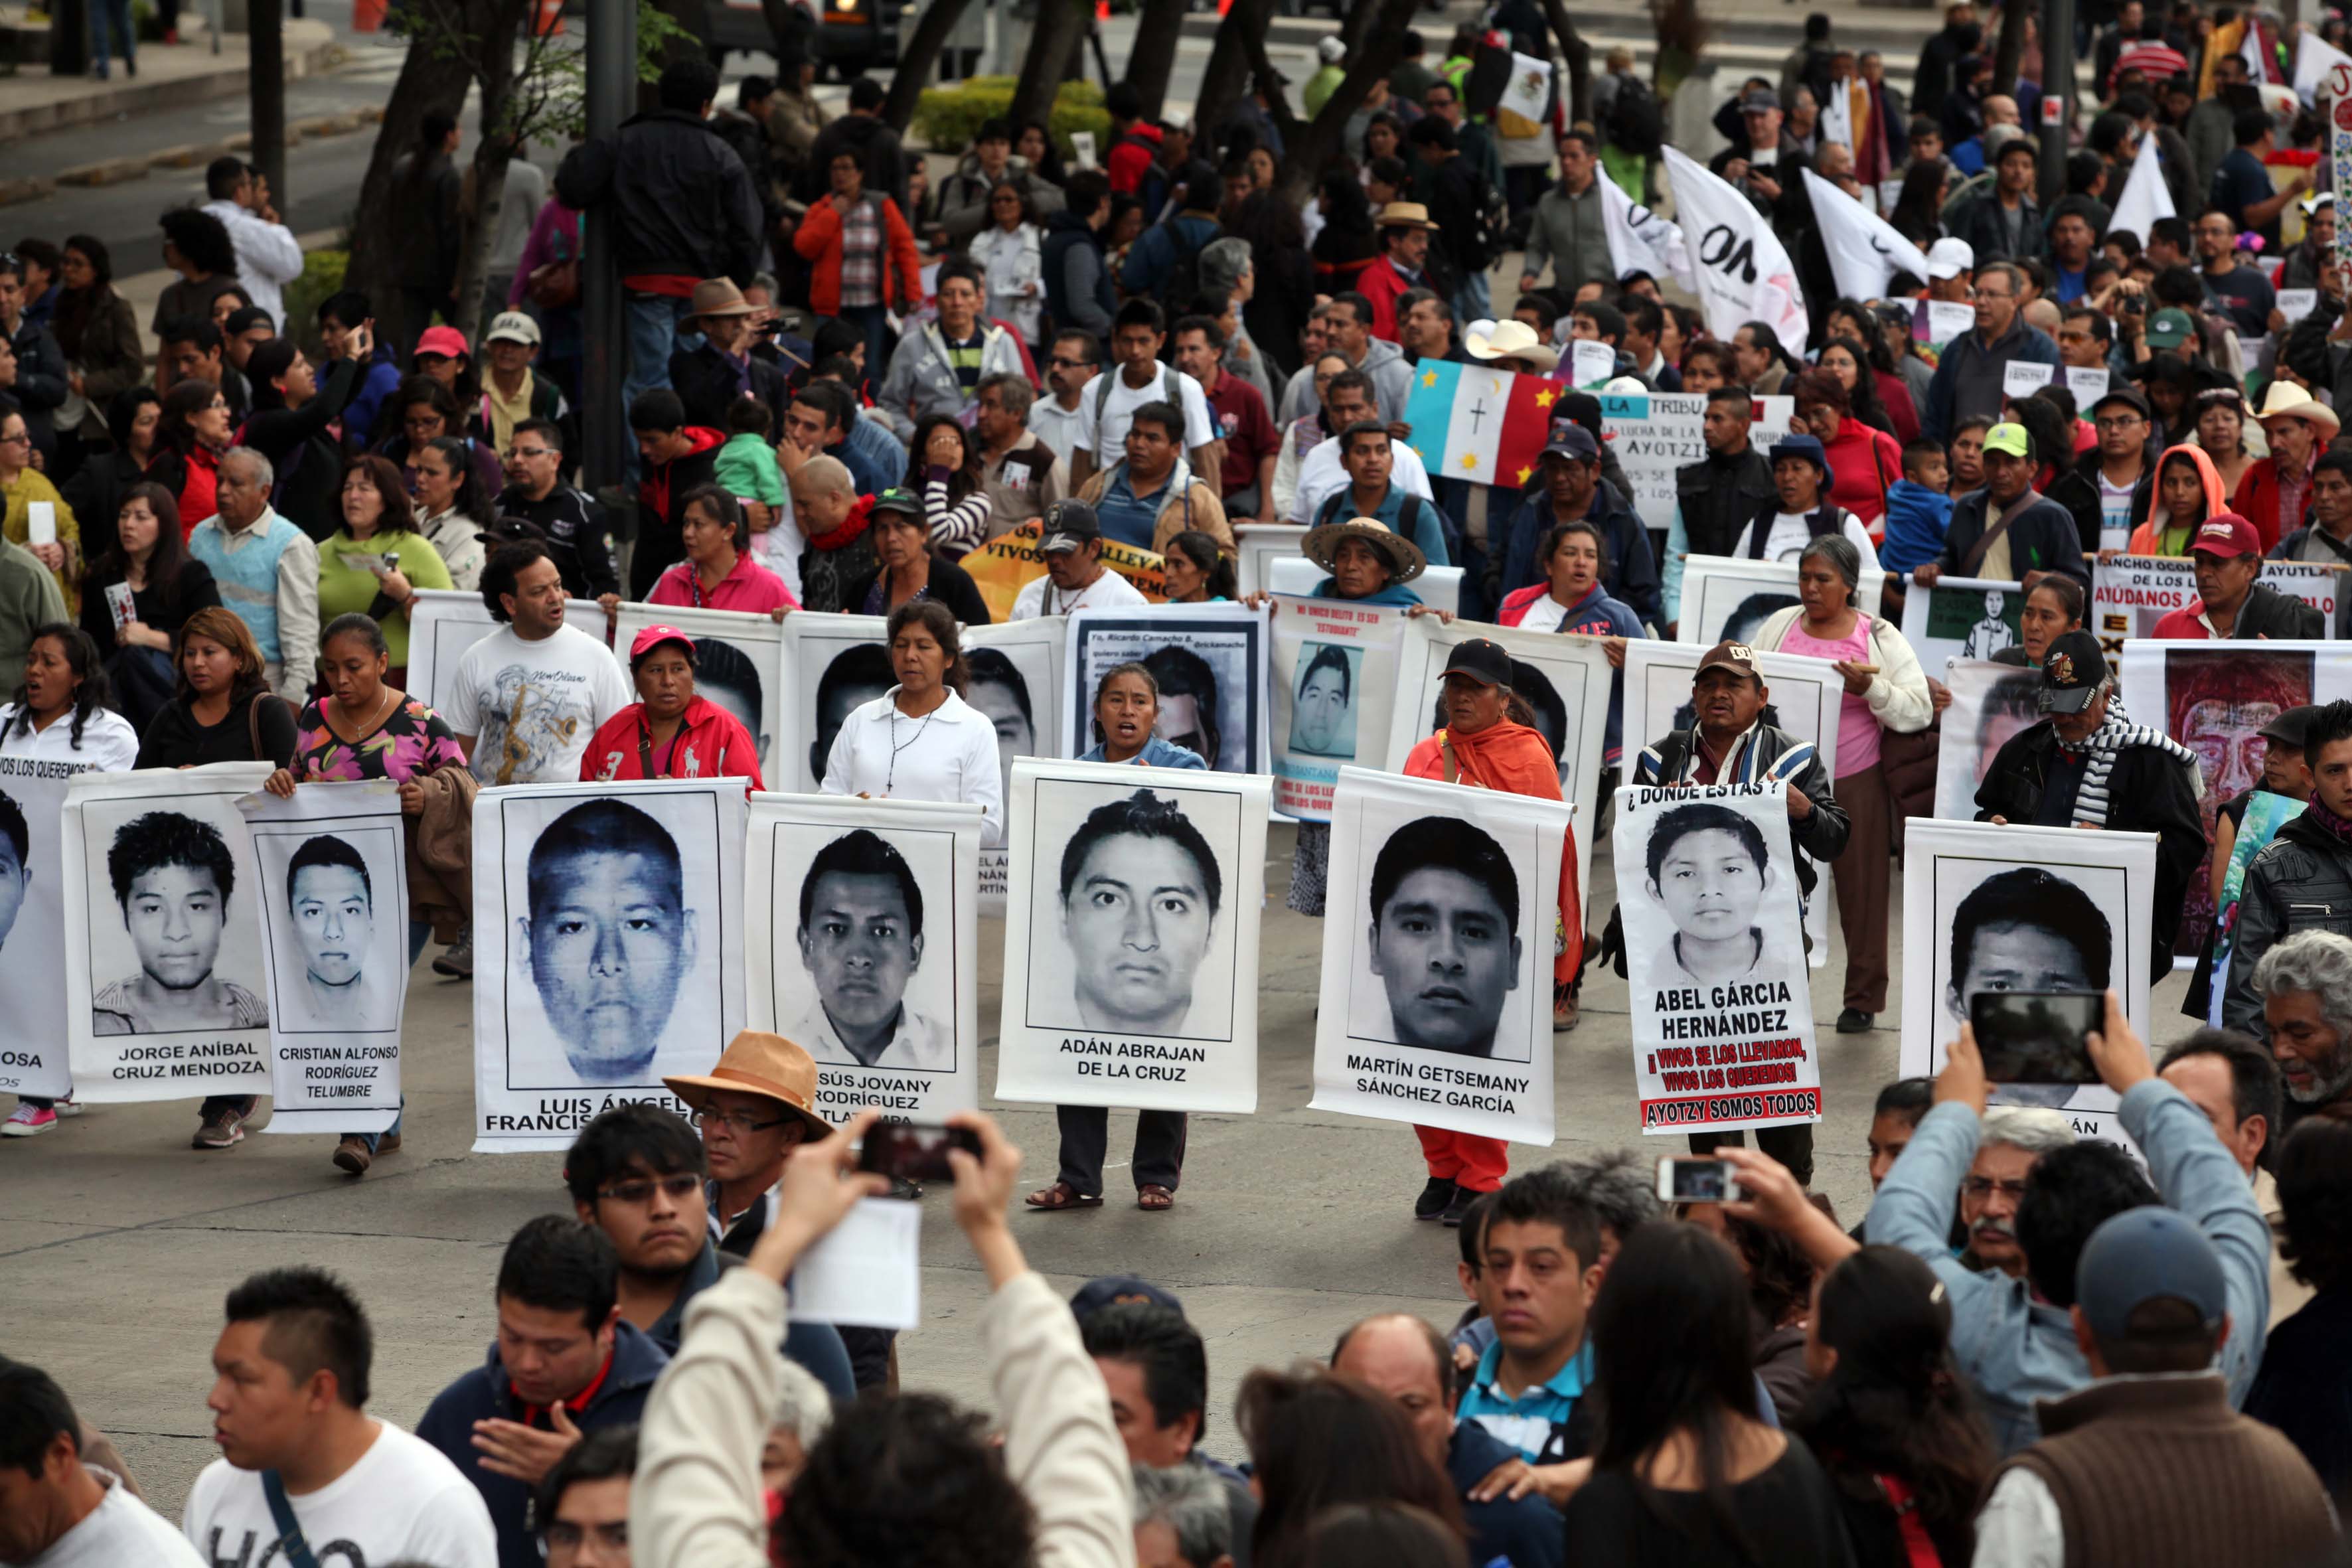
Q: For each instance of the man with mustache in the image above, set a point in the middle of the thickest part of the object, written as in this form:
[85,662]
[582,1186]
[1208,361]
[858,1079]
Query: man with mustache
[2305,986]
[2014,1137]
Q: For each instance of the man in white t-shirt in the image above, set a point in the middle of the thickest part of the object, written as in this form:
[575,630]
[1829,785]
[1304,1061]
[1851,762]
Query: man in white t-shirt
[57,1509]
[1135,378]
[1075,579]
[289,1387]
[528,698]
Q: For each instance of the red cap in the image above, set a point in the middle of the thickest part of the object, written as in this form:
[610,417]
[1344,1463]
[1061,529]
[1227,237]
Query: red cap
[652,637]
[2225,535]
[446,341]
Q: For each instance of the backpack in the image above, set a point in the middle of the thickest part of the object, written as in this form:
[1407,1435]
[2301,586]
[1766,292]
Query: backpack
[1170,390]
[1182,285]
[1636,123]
[1478,252]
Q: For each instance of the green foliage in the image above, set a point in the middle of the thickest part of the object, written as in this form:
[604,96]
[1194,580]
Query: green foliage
[549,99]
[322,275]
[948,116]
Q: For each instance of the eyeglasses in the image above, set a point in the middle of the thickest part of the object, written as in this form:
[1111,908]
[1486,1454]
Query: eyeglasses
[521,453]
[1061,363]
[736,1121]
[642,1190]
[1985,1187]
[12,440]
[2119,421]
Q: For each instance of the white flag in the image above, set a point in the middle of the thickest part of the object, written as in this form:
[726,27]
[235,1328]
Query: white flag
[1743,273]
[2314,59]
[1530,87]
[1639,239]
[1865,249]
[2260,68]
[2144,197]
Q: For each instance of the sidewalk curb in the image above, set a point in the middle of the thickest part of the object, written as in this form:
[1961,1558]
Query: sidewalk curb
[129,96]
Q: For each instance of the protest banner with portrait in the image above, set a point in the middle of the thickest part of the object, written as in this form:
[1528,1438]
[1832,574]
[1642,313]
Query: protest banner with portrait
[1722,1004]
[1012,561]
[2214,699]
[1566,681]
[1132,937]
[832,666]
[1334,681]
[862,946]
[738,664]
[33,878]
[1962,617]
[1443,922]
[2131,593]
[1730,597]
[167,985]
[1991,702]
[445,623]
[1652,433]
[1209,661]
[332,887]
[608,949]
[1016,680]
[1995,906]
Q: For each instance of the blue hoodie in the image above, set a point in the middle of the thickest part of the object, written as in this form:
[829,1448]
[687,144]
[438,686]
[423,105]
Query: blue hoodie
[380,380]
[1917,518]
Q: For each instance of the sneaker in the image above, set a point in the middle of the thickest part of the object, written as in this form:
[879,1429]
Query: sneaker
[1854,1021]
[1456,1210]
[1434,1199]
[458,959]
[29,1120]
[224,1130]
[69,1106]
[351,1154]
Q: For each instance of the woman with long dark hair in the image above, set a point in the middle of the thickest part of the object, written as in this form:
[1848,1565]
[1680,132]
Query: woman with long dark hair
[98,334]
[148,566]
[1919,206]
[191,434]
[1869,390]
[375,563]
[1889,1417]
[1198,571]
[1285,287]
[293,425]
[422,410]
[1684,1476]
[195,246]
[1317,1441]
[943,468]
[912,569]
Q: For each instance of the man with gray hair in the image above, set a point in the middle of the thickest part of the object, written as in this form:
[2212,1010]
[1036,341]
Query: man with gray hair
[1020,473]
[2305,986]
[267,569]
[1181,1518]
[2301,883]
[2014,1137]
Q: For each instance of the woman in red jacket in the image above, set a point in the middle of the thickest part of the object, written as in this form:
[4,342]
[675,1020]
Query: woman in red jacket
[862,256]
[190,436]
[1863,461]
[671,731]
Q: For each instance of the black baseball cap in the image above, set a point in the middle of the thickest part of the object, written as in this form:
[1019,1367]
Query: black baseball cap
[1483,661]
[2292,728]
[2131,397]
[1068,524]
[2071,673]
[904,502]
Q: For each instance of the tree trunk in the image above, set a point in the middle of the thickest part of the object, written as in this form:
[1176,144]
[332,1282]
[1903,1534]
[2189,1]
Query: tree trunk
[1153,59]
[429,79]
[494,69]
[2011,52]
[916,58]
[266,84]
[1226,81]
[792,29]
[1053,42]
[69,39]
[1579,55]
[1306,155]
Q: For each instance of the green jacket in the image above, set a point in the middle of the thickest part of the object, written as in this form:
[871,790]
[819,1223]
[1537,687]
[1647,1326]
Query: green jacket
[28,598]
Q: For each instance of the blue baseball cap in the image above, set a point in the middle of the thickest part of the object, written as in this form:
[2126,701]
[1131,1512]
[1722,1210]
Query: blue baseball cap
[2146,1255]
[1114,1290]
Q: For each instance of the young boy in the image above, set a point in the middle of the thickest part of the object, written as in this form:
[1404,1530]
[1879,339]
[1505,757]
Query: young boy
[746,466]
[1918,509]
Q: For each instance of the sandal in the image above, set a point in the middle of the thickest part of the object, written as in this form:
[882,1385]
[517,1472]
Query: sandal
[1153,1198]
[1062,1195]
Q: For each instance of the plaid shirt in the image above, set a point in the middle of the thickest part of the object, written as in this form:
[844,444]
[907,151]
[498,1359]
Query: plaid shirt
[861,256]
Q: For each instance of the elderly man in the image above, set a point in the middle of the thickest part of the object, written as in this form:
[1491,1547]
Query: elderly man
[2227,555]
[2305,986]
[1968,377]
[1021,475]
[2235,1083]
[2300,883]
[267,569]
[2015,1136]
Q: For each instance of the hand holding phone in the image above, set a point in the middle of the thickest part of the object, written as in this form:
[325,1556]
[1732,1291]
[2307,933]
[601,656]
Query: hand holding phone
[912,1152]
[1697,1179]
[2037,1036]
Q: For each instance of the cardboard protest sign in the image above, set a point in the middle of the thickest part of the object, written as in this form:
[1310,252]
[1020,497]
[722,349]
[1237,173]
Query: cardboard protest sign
[2131,593]
[333,896]
[1209,661]
[1017,680]
[1722,1006]
[608,949]
[1961,618]
[445,623]
[862,946]
[1438,956]
[1988,906]
[34,871]
[1132,937]
[738,664]
[1012,561]
[166,986]
[1334,689]
[1731,596]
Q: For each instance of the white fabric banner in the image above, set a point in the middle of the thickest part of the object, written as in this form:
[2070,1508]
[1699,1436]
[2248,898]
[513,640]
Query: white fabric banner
[2144,199]
[1993,906]
[1017,680]
[1132,937]
[32,943]
[1731,596]
[166,987]
[1723,1016]
[1639,239]
[1865,251]
[1209,661]
[1567,680]
[1335,690]
[832,665]
[1961,618]
[862,946]
[2314,58]
[1656,433]
[1991,702]
[1743,270]
[2131,593]
[738,665]
[333,894]
[1438,956]
[447,623]
[608,949]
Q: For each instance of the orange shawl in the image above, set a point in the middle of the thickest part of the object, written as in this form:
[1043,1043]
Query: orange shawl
[1515,759]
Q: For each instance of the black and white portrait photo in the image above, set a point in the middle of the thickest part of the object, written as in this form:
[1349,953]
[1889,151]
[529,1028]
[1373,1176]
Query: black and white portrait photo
[832,665]
[737,665]
[346,943]
[32,929]
[998,688]
[1707,868]
[860,942]
[1210,663]
[1132,929]
[1323,701]
[1444,941]
[1335,687]
[173,877]
[15,864]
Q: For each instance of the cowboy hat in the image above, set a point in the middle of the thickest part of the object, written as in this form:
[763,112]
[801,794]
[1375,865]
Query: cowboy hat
[1406,562]
[769,1066]
[1511,339]
[1404,214]
[2285,400]
[717,297]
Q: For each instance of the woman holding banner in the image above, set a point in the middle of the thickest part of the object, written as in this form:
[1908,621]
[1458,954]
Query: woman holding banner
[1574,558]
[1885,691]
[2053,606]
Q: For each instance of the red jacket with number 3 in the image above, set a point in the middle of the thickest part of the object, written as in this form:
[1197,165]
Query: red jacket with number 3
[711,743]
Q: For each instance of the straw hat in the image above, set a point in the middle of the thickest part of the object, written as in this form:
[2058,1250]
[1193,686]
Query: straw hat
[766,1065]
[1513,339]
[1405,560]
[1404,214]
[2286,400]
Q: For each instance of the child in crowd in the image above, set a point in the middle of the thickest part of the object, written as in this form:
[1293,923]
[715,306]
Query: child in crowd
[1918,509]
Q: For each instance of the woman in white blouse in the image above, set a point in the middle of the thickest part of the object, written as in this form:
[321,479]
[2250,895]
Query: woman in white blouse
[1007,252]
[920,739]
